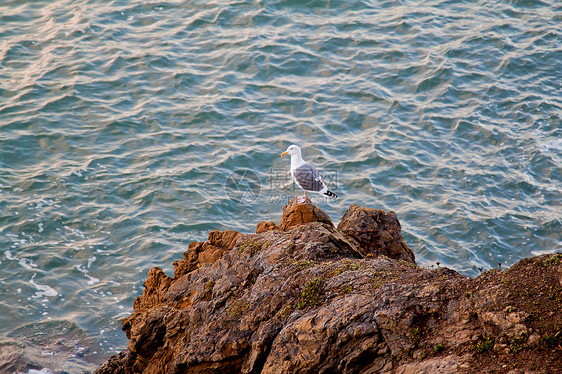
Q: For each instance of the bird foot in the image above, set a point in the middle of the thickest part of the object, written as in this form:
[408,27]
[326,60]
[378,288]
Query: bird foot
[301,199]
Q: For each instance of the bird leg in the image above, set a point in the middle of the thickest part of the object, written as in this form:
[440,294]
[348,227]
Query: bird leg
[302,199]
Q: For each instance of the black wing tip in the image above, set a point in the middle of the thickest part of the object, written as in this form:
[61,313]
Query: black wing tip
[331,194]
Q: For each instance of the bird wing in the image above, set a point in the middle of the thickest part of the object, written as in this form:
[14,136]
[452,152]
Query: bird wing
[308,178]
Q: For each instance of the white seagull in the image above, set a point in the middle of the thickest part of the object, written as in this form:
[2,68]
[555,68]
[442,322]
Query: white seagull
[305,175]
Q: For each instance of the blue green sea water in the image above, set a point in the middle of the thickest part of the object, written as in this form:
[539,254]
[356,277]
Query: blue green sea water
[130,128]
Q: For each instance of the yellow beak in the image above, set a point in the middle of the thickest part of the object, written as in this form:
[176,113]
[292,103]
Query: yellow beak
[284,153]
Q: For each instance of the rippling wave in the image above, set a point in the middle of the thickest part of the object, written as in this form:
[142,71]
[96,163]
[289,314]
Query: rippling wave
[120,123]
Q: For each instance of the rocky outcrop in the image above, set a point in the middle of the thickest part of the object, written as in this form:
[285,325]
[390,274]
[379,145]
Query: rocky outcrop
[306,297]
[375,233]
[299,214]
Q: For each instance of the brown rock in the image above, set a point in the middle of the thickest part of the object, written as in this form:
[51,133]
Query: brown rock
[299,214]
[155,285]
[302,346]
[315,299]
[265,226]
[452,364]
[199,253]
[224,239]
[376,232]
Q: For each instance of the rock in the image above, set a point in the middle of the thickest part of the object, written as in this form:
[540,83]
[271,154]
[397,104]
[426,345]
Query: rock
[121,363]
[376,232]
[265,226]
[534,340]
[299,214]
[302,345]
[225,239]
[311,298]
[200,253]
[443,365]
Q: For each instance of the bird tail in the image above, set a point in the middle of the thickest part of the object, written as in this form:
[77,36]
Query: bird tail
[331,194]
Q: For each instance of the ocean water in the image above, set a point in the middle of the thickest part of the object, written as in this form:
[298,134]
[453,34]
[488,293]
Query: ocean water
[129,129]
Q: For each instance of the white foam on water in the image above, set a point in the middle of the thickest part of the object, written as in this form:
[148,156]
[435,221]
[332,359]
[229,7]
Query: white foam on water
[42,290]
[91,260]
[553,145]
[23,262]
[91,280]
[78,172]
[76,232]
[42,371]
[27,263]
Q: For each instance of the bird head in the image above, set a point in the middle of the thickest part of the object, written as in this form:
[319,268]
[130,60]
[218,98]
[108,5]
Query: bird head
[292,150]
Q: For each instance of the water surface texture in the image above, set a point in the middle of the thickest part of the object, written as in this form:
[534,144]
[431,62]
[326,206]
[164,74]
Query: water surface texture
[122,121]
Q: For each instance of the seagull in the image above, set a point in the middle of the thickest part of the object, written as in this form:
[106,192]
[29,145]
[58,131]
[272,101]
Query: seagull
[305,175]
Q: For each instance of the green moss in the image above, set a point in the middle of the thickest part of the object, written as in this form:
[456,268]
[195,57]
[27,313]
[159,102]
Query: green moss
[483,345]
[409,264]
[286,311]
[438,348]
[415,335]
[303,264]
[311,295]
[237,308]
[380,278]
[347,265]
[515,344]
[251,247]
[346,289]
[550,261]
[209,286]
